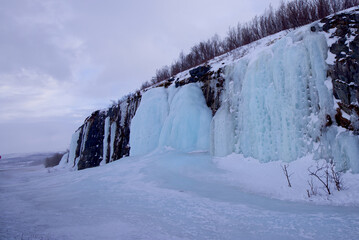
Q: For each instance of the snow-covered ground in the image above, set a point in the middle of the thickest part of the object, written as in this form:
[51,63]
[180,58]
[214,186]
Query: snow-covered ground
[172,195]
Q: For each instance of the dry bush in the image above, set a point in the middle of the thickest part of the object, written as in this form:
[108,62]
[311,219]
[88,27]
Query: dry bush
[287,175]
[326,173]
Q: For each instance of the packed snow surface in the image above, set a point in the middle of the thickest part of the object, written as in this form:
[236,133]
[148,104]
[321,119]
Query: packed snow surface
[173,195]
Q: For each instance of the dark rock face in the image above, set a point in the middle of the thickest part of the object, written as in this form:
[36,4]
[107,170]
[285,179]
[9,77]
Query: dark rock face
[91,155]
[345,71]
[198,73]
[212,88]
[90,146]
[123,122]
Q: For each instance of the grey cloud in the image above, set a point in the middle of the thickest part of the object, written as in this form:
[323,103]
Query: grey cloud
[28,31]
[65,58]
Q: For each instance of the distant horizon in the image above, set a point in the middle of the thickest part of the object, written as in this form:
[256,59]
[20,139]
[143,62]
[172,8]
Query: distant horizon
[28,153]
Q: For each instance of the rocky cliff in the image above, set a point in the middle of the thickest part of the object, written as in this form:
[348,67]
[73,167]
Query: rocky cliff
[104,136]
[343,30]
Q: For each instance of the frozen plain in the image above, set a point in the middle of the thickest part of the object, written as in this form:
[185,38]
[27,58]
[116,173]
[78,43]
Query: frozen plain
[167,195]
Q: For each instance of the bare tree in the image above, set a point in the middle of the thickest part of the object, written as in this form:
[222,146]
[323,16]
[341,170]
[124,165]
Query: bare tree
[145,85]
[163,74]
[322,174]
[323,8]
[175,68]
[312,191]
[216,45]
[336,176]
[287,175]
[335,5]
[349,3]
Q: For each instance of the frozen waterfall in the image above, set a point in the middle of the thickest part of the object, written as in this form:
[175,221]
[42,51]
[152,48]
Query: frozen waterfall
[275,106]
[277,103]
[175,117]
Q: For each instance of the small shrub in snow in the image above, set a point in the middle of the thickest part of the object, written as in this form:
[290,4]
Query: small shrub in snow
[336,176]
[287,175]
[312,191]
[325,173]
[321,172]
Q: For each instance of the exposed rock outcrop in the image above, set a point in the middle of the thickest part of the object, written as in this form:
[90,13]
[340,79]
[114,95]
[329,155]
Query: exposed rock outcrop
[213,83]
[344,31]
[99,142]
[94,146]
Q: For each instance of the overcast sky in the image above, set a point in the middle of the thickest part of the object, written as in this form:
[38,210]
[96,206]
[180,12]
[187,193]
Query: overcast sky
[62,59]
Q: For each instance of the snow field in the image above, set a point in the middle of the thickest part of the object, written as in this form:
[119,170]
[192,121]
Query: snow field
[269,180]
[171,195]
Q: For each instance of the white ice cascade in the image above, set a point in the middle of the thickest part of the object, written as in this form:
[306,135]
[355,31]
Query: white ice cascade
[71,160]
[105,140]
[276,102]
[174,117]
[112,139]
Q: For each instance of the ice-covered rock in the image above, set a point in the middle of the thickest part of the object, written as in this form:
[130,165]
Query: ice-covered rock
[222,132]
[278,98]
[147,124]
[176,118]
[70,159]
[105,140]
[187,126]
[280,105]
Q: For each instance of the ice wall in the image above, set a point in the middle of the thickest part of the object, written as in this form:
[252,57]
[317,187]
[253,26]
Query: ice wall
[105,140]
[71,160]
[112,139]
[147,123]
[174,117]
[222,132]
[278,103]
